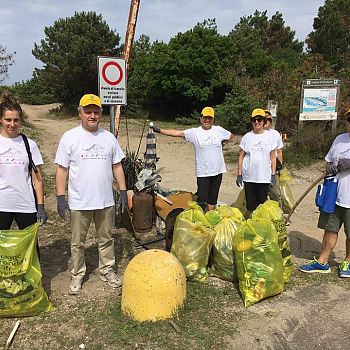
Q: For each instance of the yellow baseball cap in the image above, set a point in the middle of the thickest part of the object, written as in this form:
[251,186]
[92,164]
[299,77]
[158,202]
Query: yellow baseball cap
[90,99]
[258,112]
[208,112]
[268,112]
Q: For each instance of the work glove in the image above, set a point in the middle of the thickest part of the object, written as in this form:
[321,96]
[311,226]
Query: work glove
[239,181]
[155,127]
[41,214]
[62,206]
[331,169]
[343,164]
[273,180]
[123,199]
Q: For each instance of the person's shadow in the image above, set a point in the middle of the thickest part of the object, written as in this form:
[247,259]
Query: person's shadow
[306,247]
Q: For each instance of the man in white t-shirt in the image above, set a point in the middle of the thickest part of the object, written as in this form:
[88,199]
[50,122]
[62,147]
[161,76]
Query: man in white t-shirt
[274,191]
[89,156]
[338,162]
[207,140]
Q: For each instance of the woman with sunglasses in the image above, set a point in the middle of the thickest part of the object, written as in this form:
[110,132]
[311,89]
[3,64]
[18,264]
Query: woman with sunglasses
[338,162]
[256,162]
[18,201]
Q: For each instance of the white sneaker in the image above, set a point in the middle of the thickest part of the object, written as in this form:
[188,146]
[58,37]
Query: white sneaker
[112,279]
[75,285]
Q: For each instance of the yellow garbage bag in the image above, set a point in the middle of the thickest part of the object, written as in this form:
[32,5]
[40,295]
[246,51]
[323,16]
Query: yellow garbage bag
[21,292]
[271,211]
[258,261]
[192,242]
[286,194]
[241,203]
[222,258]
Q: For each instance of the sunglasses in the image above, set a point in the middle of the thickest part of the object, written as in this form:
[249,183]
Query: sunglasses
[348,119]
[259,120]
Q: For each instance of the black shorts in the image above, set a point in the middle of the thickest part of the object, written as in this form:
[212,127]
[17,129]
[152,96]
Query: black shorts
[208,189]
[23,220]
[255,194]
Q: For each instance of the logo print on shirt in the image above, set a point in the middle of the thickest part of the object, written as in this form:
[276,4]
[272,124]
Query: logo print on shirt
[260,146]
[11,156]
[96,152]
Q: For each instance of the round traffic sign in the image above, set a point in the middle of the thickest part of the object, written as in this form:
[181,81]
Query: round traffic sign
[104,73]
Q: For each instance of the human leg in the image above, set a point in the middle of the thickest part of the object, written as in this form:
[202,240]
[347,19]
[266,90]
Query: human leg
[103,222]
[213,194]
[262,191]
[6,220]
[203,185]
[344,268]
[24,220]
[250,196]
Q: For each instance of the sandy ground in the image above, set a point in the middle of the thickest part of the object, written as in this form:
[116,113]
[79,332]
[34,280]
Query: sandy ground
[283,323]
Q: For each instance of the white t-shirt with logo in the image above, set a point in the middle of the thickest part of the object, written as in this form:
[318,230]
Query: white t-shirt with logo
[277,137]
[89,157]
[256,162]
[340,149]
[208,149]
[16,191]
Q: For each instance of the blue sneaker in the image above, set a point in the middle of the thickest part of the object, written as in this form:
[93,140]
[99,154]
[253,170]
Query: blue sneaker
[344,269]
[315,266]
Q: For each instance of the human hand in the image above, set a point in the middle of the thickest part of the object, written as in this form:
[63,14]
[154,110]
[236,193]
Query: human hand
[343,164]
[62,206]
[239,181]
[41,214]
[331,169]
[154,127]
[124,199]
[273,180]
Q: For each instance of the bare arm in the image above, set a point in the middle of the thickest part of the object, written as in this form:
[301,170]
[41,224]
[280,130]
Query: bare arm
[240,162]
[38,184]
[118,173]
[280,155]
[273,162]
[172,132]
[225,142]
[61,180]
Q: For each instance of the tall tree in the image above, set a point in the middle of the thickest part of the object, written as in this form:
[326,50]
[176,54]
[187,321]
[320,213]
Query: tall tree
[6,60]
[331,35]
[69,53]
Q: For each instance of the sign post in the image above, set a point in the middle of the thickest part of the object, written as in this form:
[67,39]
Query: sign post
[319,100]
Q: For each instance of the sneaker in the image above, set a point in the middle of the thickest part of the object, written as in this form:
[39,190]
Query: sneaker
[112,279]
[75,285]
[315,266]
[344,269]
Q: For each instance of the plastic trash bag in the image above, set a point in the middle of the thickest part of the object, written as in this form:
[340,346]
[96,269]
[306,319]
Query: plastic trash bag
[21,292]
[222,258]
[258,261]
[192,242]
[286,194]
[241,203]
[272,212]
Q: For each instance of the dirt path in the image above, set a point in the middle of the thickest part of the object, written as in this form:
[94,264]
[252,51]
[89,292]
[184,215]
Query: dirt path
[280,323]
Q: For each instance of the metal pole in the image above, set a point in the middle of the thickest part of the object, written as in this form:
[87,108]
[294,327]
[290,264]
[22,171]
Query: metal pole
[129,39]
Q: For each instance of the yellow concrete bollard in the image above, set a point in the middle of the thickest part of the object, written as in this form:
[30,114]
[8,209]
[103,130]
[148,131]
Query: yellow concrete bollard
[154,286]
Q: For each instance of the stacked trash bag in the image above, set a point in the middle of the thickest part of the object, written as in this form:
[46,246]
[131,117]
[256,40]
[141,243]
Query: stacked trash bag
[222,243]
[21,291]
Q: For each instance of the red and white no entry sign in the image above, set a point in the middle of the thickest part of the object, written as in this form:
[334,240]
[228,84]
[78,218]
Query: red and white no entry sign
[112,80]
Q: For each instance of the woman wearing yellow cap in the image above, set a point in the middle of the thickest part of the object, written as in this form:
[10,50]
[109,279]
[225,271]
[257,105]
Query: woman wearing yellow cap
[207,141]
[256,162]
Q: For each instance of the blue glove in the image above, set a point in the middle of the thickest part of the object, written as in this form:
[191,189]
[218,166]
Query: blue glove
[124,199]
[343,164]
[239,181]
[41,214]
[62,206]
[273,180]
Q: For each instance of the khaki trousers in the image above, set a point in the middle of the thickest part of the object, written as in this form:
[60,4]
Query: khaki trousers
[80,223]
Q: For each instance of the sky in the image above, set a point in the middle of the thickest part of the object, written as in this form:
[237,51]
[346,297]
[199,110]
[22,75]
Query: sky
[22,22]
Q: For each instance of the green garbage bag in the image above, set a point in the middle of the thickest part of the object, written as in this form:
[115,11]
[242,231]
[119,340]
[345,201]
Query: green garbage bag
[222,258]
[21,291]
[258,261]
[192,242]
[286,194]
[270,210]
